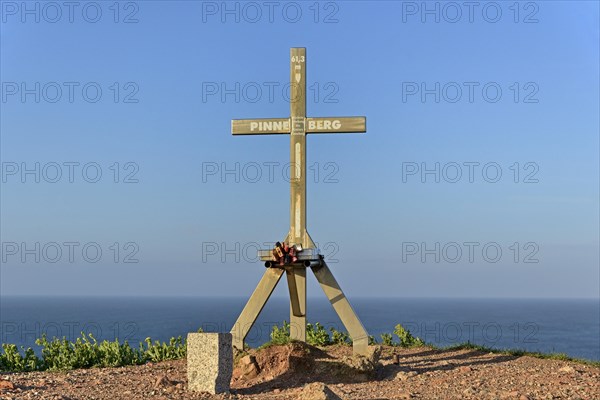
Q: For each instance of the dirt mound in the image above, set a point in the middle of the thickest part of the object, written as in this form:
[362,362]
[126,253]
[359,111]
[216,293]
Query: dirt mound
[297,363]
[275,361]
[294,357]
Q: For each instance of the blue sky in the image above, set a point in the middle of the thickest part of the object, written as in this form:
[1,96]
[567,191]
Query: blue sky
[497,89]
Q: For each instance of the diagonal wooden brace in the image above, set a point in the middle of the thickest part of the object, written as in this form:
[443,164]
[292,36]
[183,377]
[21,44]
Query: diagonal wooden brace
[254,306]
[360,338]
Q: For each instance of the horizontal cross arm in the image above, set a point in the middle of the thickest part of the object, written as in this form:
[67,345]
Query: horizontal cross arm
[336,125]
[263,126]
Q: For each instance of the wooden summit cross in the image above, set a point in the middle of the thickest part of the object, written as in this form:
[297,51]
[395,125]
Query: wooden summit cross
[298,125]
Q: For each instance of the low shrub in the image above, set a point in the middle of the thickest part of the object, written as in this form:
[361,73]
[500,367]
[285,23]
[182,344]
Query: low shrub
[406,338]
[316,335]
[61,354]
[339,337]
[387,339]
[280,335]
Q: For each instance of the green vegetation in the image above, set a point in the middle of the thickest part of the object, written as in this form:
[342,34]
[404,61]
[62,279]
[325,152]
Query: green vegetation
[86,352]
[338,337]
[316,335]
[12,360]
[387,339]
[280,335]
[406,338]
[156,352]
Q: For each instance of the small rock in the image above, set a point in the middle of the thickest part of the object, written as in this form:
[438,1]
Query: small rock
[403,395]
[317,391]
[6,385]
[247,360]
[567,369]
[249,367]
[373,354]
[367,363]
[401,376]
[464,369]
[162,381]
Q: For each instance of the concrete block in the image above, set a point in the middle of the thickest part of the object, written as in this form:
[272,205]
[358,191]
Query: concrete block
[209,362]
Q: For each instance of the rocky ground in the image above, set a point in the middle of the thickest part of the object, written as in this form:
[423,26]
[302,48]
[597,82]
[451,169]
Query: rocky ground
[298,371]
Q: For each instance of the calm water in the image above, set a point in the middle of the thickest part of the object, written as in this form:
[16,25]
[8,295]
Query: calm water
[569,326]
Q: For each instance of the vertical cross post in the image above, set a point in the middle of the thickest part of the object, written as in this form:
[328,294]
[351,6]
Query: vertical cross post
[298,233]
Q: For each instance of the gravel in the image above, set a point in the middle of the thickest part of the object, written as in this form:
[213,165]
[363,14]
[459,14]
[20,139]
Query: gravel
[420,373]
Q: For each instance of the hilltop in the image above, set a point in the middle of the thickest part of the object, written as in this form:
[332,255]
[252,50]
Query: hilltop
[282,372]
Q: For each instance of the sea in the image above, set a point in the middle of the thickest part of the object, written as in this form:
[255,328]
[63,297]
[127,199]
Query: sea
[546,325]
